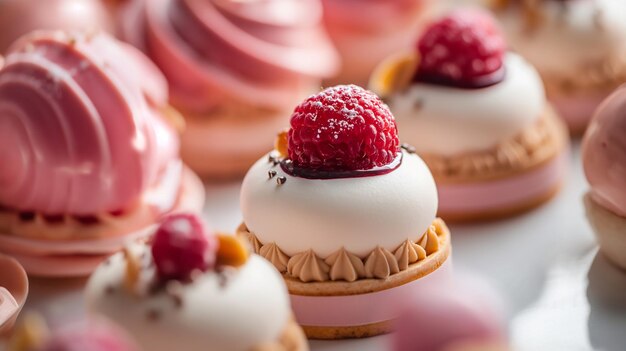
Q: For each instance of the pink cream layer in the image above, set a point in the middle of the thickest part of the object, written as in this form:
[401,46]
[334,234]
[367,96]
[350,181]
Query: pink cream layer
[266,53]
[482,197]
[80,125]
[356,310]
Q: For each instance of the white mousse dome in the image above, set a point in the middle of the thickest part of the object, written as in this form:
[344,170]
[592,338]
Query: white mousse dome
[325,215]
[214,314]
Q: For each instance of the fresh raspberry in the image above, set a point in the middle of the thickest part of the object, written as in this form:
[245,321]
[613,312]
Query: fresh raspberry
[181,246]
[341,129]
[464,49]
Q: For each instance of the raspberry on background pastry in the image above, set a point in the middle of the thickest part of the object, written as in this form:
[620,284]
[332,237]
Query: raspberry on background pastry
[93,155]
[197,289]
[13,292]
[346,214]
[578,47]
[19,17]
[478,116]
[463,315]
[604,161]
[367,31]
[235,68]
[34,334]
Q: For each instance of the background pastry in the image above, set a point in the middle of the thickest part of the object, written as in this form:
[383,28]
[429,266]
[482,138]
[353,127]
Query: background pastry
[94,160]
[193,288]
[235,68]
[477,115]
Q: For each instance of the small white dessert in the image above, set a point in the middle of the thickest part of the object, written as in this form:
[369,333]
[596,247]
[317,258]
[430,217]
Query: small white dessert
[469,119]
[221,308]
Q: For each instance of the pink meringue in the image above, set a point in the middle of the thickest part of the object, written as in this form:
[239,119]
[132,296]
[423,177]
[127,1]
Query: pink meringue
[19,17]
[264,53]
[604,153]
[97,143]
[87,131]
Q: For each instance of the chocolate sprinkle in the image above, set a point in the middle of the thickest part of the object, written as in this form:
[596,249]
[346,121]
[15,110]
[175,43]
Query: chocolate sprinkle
[271,174]
[408,148]
[281,180]
[418,104]
[109,290]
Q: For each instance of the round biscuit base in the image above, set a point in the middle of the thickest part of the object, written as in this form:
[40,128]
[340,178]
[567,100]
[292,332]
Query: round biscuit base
[415,271]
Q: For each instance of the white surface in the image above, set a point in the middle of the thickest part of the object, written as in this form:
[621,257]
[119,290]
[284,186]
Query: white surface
[540,261]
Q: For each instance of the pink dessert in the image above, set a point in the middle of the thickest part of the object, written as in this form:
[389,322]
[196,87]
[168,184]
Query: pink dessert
[367,31]
[13,292]
[99,167]
[19,17]
[235,68]
[604,160]
[461,316]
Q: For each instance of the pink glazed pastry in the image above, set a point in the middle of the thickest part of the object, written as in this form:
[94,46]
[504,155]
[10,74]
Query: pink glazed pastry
[604,160]
[13,292]
[478,116]
[367,31]
[19,17]
[578,47]
[347,214]
[462,316]
[235,68]
[93,158]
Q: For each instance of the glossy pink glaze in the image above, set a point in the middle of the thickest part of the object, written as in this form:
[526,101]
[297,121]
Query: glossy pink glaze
[19,17]
[488,196]
[444,316]
[604,153]
[266,53]
[355,310]
[80,127]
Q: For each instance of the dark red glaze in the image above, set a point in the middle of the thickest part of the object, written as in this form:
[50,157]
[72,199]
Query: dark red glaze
[302,172]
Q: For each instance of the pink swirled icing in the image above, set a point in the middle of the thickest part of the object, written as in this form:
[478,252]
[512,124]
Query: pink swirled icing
[80,127]
[266,53]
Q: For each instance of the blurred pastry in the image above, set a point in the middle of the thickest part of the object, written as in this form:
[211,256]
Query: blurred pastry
[604,161]
[478,116]
[235,68]
[197,289]
[93,151]
[19,17]
[13,293]
[578,47]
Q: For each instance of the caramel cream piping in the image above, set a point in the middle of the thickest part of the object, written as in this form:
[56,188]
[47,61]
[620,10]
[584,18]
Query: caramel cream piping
[380,264]
[345,266]
[272,253]
[307,267]
[409,252]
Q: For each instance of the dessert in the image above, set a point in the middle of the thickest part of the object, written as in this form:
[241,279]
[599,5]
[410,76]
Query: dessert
[235,69]
[578,47]
[346,214]
[19,17]
[604,161]
[13,292]
[478,116]
[452,321]
[91,335]
[197,289]
[85,126]
[365,32]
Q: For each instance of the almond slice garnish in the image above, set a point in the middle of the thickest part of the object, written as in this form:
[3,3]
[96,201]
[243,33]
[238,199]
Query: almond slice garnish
[232,251]
[394,74]
[281,142]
